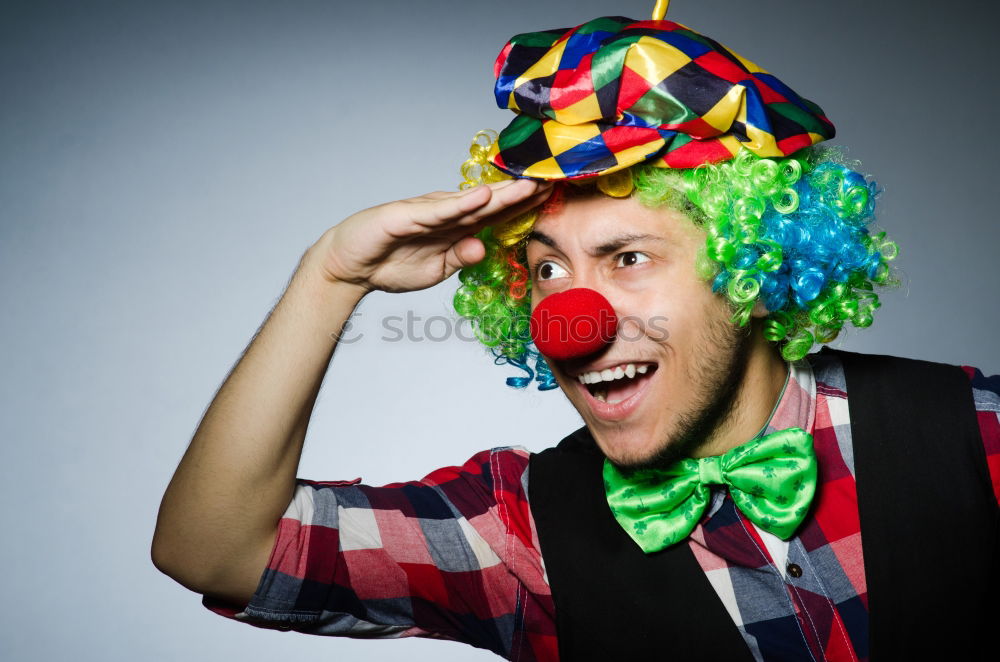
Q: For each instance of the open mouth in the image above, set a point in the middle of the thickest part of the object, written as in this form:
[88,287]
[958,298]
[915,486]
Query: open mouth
[617,384]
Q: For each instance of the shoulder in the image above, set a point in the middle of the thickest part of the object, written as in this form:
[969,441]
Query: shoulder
[985,390]
[486,467]
[482,486]
[828,368]
[828,371]
[490,488]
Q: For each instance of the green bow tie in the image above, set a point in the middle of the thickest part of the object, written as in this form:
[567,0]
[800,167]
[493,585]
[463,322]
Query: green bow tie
[772,479]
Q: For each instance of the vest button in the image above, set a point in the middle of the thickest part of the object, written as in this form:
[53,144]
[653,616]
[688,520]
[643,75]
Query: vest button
[794,570]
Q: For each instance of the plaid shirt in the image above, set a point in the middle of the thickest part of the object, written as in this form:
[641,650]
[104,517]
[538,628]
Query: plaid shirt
[456,556]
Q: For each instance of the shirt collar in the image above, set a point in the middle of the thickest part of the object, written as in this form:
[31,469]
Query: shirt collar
[797,405]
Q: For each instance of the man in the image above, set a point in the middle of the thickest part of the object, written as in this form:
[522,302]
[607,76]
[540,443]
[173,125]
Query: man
[714,505]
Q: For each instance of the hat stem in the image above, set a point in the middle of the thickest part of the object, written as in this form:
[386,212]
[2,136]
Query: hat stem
[660,10]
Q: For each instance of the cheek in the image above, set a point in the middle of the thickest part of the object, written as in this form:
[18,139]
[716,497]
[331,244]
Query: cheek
[678,318]
[652,317]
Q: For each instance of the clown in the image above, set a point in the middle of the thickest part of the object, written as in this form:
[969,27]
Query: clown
[659,234]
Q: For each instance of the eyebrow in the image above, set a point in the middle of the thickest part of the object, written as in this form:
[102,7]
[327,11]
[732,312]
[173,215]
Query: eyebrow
[614,244]
[542,238]
[621,241]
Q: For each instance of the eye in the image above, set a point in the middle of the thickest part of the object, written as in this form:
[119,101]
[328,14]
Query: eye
[548,270]
[631,259]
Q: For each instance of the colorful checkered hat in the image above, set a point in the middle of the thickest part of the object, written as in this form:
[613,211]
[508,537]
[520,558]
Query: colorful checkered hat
[614,92]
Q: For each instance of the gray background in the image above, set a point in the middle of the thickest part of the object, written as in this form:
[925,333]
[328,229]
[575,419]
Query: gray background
[164,165]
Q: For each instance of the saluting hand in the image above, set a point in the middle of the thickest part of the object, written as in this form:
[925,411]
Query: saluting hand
[415,243]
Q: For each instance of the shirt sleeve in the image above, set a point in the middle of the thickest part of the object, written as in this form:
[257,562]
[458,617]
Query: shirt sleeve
[986,393]
[453,556]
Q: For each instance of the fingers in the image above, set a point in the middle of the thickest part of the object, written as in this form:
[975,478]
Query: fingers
[472,205]
[440,195]
[468,199]
[504,197]
[473,223]
[510,212]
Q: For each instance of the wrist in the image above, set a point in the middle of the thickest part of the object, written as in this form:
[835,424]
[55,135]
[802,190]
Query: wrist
[323,288]
[315,268]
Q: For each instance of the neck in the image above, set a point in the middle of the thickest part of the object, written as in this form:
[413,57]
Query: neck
[754,401]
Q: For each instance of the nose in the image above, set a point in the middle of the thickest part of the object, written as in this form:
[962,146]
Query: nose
[573,323]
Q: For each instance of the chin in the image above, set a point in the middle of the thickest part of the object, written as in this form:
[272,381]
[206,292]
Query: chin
[626,457]
[636,448]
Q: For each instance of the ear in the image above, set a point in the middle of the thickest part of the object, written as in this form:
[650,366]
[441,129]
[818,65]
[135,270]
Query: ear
[759,310]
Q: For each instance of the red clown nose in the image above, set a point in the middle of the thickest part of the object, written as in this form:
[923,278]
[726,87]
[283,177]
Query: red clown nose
[573,323]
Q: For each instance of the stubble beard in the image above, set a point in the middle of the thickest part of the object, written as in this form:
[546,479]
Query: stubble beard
[723,352]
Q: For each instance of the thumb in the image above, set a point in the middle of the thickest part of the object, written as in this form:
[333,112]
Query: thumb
[466,252]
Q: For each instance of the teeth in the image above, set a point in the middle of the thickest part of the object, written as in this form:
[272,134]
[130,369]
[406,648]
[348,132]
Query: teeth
[600,395]
[629,370]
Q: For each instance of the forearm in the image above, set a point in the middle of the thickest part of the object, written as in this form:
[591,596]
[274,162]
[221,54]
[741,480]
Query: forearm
[220,511]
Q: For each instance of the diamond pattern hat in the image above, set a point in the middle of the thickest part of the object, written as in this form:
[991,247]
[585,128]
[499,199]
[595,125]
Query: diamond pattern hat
[614,92]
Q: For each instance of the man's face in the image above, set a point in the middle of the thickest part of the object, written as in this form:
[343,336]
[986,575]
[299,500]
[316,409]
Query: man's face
[680,357]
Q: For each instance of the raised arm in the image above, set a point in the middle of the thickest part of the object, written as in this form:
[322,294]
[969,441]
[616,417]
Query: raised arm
[219,514]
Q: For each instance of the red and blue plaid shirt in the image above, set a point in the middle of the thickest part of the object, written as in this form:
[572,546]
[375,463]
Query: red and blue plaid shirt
[456,556]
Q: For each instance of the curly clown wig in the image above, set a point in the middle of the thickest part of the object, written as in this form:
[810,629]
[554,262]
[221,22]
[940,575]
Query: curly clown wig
[787,223]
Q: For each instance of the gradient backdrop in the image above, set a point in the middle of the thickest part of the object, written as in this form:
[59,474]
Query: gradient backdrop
[164,165]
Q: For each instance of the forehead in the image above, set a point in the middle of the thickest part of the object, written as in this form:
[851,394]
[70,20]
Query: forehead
[590,218]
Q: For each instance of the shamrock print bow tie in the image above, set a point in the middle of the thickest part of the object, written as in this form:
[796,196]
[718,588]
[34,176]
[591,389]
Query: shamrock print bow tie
[772,480]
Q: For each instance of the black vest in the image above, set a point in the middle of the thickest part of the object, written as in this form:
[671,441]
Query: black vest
[920,467]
